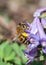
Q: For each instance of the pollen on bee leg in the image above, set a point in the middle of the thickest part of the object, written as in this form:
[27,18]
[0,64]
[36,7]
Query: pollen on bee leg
[24,34]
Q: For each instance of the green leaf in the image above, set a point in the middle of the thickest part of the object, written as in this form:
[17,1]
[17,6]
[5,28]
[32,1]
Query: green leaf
[41,52]
[2,63]
[9,64]
[22,47]
[17,61]
[24,59]
[8,53]
[10,57]
[1,53]
[36,63]
[7,50]
[43,15]
[16,48]
[2,46]
[41,57]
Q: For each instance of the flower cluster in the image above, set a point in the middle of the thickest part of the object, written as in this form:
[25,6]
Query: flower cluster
[36,35]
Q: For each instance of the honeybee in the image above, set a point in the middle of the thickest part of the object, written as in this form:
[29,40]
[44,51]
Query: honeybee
[22,36]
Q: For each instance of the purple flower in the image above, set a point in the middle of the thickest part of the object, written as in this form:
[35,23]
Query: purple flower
[39,11]
[33,32]
[30,54]
[44,49]
[43,22]
[40,30]
[36,35]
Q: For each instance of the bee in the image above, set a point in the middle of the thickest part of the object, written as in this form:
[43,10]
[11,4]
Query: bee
[22,36]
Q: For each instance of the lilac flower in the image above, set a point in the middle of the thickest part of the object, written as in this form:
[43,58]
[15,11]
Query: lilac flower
[40,30]
[39,11]
[43,22]
[36,35]
[30,54]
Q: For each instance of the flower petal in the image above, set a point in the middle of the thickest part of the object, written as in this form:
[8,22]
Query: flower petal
[33,45]
[30,54]
[34,26]
[40,30]
[31,58]
[44,49]
[27,23]
[43,21]
[39,11]
[27,31]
